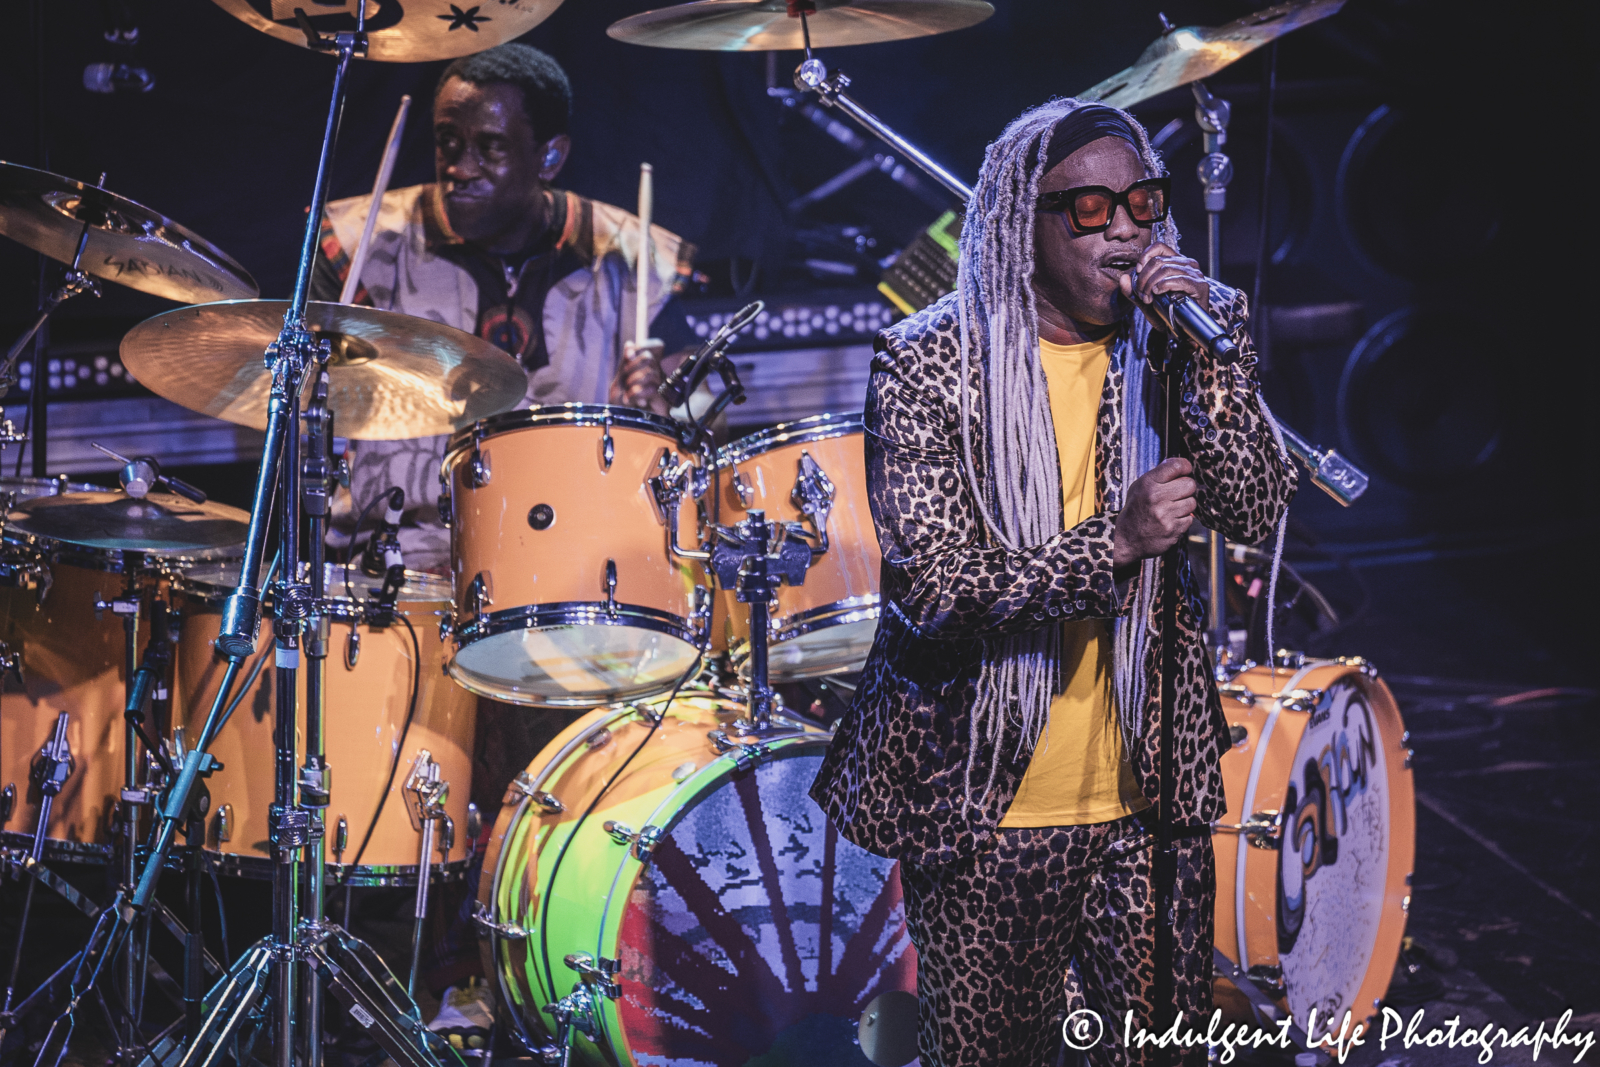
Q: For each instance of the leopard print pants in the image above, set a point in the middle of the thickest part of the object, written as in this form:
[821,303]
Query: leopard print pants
[1042,923]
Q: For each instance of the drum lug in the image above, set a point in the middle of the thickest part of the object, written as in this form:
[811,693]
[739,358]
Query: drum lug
[224,823]
[742,486]
[1268,977]
[352,648]
[620,832]
[8,802]
[1264,829]
[477,474]
[341,839]
[813,494]
[608,446]
[1240,693]
[446,624]
[1360,663]
[11,663]
[478,596]
[611,587]
[1303,700]
[484,920]
[549,802]
[745,756]
[596,972]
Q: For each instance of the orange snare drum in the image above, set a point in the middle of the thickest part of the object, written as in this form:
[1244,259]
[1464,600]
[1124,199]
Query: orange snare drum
[565,595]
[367,690]
[811,471]
[1313,887]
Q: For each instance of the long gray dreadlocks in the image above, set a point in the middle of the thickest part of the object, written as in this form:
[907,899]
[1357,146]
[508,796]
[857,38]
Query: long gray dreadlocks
[1020,500]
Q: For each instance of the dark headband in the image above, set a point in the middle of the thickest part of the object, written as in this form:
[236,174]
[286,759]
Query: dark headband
[1083,125]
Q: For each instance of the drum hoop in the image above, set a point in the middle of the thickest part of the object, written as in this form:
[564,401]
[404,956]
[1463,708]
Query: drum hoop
[621,418]
[57,849]
[800,432]
[677,803]
[342,607]
[573,613]
[33,549]
[259,868]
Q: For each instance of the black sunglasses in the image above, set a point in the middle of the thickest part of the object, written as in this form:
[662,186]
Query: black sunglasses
[1092,207]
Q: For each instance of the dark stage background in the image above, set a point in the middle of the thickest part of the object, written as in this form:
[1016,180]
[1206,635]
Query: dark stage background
[1421,308]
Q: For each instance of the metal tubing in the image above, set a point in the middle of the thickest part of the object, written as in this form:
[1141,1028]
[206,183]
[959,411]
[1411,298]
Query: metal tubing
[286,840]
[295,316]
[241,611]
[131,999]
[419,914]
[319,433]
[844,102]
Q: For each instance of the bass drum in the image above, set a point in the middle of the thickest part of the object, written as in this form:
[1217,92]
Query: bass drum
[719,915]
[1313,888]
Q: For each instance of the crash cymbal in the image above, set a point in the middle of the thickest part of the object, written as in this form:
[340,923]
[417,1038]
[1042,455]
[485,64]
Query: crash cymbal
[159,524]
[392,376]
[413,31]
[1190,53]
[128,243]
[765,25]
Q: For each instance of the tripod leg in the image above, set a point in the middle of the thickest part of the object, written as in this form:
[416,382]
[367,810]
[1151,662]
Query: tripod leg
[240,991]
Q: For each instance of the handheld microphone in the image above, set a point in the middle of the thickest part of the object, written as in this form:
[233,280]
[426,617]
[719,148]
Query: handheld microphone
[383,547]
[1180,314]
[683,381]
[117,78]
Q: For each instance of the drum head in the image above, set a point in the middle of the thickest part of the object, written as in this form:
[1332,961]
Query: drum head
[756,931]
[573,665]
[1344,817]
[835,649]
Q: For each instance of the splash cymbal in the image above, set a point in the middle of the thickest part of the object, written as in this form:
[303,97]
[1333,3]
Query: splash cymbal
[128,243]
[392,376]
[416,31]
[158,524]
[1190,53]
[766,26]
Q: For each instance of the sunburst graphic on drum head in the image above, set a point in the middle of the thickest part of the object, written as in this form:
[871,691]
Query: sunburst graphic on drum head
[757,935]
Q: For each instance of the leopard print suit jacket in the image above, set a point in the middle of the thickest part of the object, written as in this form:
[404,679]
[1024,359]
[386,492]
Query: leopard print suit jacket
[894,777]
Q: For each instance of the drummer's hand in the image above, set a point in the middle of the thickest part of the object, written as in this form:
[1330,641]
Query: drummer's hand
[639,379]
[1161,270]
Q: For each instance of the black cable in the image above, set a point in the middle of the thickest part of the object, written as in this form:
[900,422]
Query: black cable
[350,550]
[399,748]
[222,912]
[555,869]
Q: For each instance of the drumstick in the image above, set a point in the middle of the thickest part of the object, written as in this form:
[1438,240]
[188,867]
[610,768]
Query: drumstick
[641,323]
[379,187]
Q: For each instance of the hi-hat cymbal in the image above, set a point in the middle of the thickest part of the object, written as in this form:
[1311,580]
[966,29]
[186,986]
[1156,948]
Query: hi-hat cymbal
[392,376]
[765,25]
[416,31]
[1190,53]
[159,524]
[128,243]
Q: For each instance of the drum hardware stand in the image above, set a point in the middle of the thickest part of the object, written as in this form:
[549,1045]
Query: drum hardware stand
[754,558]
[51,771]
[425,797]
[73,283]
[813,76]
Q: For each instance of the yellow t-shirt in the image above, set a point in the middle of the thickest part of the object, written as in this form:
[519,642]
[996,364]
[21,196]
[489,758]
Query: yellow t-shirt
[1077,774]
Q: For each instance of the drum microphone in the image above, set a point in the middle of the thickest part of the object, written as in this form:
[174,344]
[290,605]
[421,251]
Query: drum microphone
[382,557]
[692,371]
[1180,314]
[383,547]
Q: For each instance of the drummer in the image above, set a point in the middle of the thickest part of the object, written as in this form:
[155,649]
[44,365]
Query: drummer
[491,247]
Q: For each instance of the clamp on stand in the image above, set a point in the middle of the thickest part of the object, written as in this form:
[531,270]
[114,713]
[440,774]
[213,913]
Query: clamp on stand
[425,798]
[754,558]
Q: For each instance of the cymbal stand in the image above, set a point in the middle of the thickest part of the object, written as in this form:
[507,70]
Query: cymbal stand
[73,283]
[51,771]
[813,76]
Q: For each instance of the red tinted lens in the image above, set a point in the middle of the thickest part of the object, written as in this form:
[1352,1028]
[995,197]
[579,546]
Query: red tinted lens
[1092,208]
[1146,203]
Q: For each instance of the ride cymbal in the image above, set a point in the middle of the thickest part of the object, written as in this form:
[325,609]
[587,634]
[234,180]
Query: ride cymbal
[158,524]
[766,26]
[1190,53]
[392,376]
[415,31]
[128,243]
